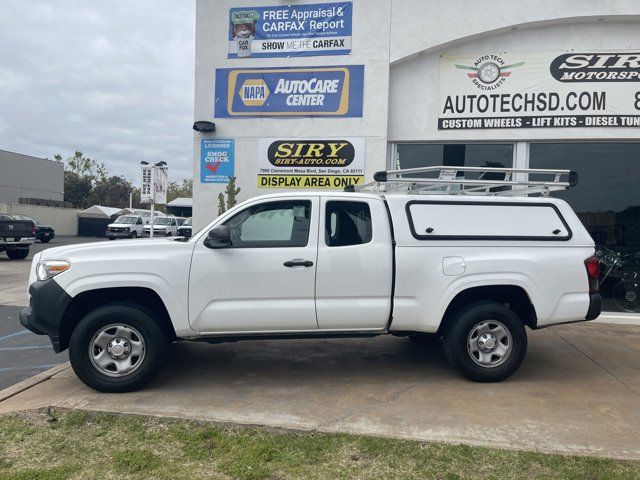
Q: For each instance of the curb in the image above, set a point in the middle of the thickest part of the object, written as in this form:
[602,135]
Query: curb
[32,381]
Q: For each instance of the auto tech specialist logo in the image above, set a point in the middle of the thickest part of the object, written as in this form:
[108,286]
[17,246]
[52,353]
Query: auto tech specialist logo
[489,72]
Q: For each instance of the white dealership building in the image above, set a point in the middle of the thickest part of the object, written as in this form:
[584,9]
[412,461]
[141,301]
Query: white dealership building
[315,95]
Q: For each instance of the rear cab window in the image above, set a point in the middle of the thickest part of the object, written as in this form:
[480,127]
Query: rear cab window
[347,223]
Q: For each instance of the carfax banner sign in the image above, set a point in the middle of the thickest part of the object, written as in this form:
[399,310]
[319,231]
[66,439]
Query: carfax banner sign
[310,163]
[334,91]
[290,30]
[216,160]
[540,90]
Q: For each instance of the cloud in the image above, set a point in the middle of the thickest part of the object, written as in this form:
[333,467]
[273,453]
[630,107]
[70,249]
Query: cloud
[113,79]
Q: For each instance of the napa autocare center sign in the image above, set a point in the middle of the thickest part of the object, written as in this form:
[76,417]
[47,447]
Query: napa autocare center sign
[290,30]
[216,160]
[540,90]
[310,163]
[331,91]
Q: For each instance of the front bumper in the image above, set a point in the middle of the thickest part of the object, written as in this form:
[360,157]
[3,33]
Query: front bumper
[156,233]
[118,234]
[46,309]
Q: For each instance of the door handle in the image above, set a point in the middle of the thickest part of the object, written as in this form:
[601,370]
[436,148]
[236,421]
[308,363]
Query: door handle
[298,263]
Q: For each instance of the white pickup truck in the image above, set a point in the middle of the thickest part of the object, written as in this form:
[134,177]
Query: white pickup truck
[472,269]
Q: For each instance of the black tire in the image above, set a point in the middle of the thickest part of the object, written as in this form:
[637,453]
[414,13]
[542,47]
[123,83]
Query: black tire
[17,253]
[45,240]
[457,338]
[111,238]
[134,234]
[155,339]
[169,234]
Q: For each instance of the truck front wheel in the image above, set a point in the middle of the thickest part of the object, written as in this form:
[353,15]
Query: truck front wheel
[117,348]
[485,341]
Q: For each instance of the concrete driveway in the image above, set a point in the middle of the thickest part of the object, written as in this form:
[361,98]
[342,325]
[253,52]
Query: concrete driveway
[577,392]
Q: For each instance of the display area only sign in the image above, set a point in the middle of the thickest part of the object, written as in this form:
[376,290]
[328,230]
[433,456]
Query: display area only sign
[315,163]
[539,90]
[331,91]
[290,30]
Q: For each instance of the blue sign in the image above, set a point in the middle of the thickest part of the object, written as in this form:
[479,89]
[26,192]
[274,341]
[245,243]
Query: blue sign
[334,91]
[290,30]
[216,160]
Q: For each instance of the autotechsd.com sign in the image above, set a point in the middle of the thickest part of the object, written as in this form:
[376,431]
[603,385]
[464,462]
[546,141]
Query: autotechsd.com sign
[332,91]
[540,90]
[290,30]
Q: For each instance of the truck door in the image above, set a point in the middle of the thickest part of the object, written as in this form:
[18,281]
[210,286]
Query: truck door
[265,280]
[355,264]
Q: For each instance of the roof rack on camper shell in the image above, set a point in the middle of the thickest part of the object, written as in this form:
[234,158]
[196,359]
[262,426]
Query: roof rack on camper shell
[452,180]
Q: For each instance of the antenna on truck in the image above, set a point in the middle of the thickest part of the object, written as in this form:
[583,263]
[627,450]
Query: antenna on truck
[452,180]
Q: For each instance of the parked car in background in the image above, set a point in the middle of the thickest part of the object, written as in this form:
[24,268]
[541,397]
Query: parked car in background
[44,233]
[125,226]
[163,226]
[16,235]
[184,230]
[181,220]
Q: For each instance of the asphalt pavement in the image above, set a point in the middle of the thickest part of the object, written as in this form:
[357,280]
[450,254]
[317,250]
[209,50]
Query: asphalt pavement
[22,353]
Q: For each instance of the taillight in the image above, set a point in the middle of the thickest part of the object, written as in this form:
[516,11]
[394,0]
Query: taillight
[593,273]
[33,229]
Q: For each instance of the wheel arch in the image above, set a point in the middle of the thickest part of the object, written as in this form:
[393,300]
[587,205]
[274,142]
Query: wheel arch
[514,297]
[143,297]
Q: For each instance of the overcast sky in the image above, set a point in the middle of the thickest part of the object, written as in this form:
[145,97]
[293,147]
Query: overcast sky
[111,78]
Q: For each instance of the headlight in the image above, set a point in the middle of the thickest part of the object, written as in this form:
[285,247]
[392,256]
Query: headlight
[51,268]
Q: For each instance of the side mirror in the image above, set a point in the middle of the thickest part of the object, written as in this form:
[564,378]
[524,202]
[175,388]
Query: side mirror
[218,237]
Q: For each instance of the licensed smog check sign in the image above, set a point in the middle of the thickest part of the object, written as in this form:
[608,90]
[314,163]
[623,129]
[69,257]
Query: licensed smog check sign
[540,90]
[333,91]
[290,30]
[216,160]
[310,163]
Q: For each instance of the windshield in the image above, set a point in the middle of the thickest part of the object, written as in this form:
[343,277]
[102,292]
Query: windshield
[187,222]
[126,220]
[163,221]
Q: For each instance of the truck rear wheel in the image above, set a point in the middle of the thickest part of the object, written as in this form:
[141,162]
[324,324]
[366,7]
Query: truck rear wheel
[17,253]
[117,348]
[485,341]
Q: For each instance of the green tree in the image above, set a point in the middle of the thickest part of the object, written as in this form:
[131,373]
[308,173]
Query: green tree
[81,175]
[113,191]
[183,189]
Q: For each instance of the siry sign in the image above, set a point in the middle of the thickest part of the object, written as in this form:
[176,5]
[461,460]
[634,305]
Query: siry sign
[539,90]
[289,92]
[315,163]
[290,30]
[597,67]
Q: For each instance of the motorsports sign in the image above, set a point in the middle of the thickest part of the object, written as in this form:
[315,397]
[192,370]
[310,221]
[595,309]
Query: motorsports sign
[540,90]
[290,30]
[334,91]
[317,163]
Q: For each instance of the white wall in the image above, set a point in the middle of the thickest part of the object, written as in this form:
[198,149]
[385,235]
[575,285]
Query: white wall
[399,42]
[63,220]
[370,46]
